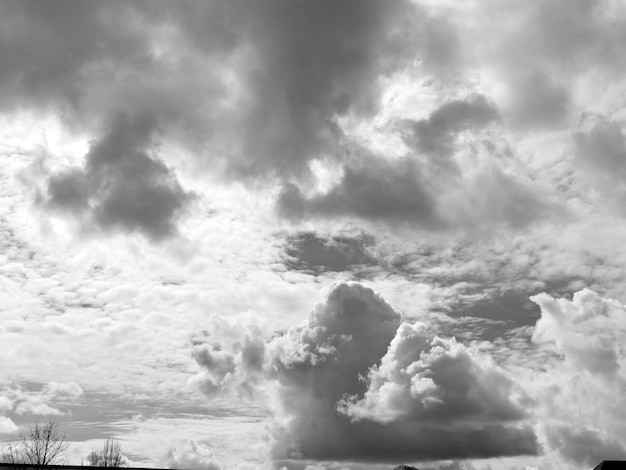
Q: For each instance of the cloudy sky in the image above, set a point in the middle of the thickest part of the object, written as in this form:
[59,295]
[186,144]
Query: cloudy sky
[316,234]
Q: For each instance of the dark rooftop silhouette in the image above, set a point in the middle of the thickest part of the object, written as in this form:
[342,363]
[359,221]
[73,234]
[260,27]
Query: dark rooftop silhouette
[611,465]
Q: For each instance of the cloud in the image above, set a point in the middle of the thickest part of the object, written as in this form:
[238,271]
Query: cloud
[586,330]
[7,426]
[600,155]
[584,446]
[376,189]
[233,361]
[491,198]
[586,336]
[265,81]
[536,101]
[191,456]
[309,63]
[36,407]
[399,193]
[308,251]
[436,133]
[573,34]
[120,185]
[430,379]
[328,381]
[59,388]
[6,404]
[51,57]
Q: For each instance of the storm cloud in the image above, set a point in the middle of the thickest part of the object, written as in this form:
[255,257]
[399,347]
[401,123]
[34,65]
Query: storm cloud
[447,402]
[264,79]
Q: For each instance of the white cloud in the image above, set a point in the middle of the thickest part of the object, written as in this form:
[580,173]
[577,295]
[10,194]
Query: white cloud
[6,404]
[7,426]
[64,388]
[429,379]
[582,419]
[588,330]
[35,407]
[191,456]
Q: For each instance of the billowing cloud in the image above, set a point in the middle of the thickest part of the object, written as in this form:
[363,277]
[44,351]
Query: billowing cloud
[120,185]
[191,456]
[587,335]
[451,179]
[233,360]
[426,378]
[586,330]
[356,383]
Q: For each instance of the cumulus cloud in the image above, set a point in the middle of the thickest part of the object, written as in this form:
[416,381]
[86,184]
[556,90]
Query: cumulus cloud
[191,456]
[426,378]
[587,334]
[587,330]
[7,426]
[233,360]
[120,185]
[356,383]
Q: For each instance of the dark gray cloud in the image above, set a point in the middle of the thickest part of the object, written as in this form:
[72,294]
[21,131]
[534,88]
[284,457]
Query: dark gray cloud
[313,61]
[459,406]
[310,252]
[436,133]
[263,79]
[52,54]
[407,193]
[120,186]
[372,188]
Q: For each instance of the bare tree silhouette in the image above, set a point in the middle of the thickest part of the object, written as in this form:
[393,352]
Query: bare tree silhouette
[43,445]
[109,455]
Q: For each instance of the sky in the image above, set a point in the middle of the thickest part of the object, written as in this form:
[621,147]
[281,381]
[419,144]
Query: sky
[315,234]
